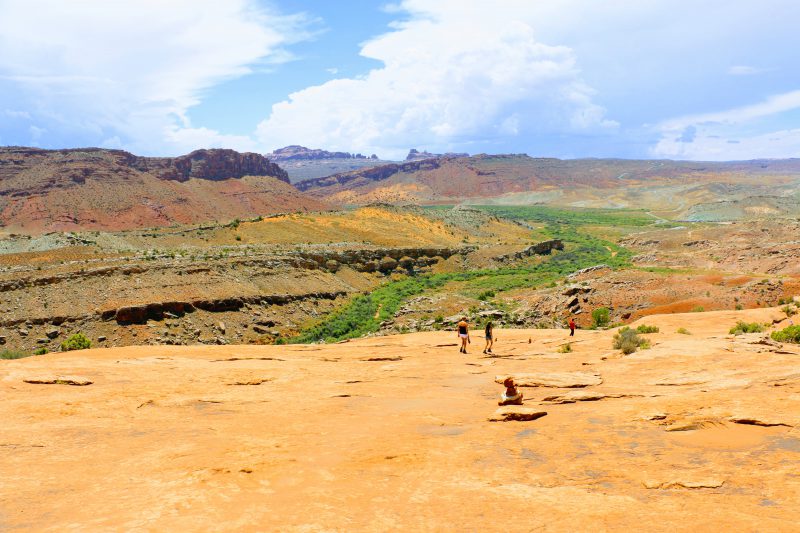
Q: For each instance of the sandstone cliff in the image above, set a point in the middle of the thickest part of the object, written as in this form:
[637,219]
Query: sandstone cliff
[46,190]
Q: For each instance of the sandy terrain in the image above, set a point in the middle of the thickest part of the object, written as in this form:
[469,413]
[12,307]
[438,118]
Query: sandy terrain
[698,433]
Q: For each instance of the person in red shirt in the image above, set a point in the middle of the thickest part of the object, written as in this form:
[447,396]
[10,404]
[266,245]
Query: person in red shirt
[571,327]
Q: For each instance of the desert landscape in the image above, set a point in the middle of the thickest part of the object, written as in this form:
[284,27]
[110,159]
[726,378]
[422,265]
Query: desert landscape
[699,432]
[417,266]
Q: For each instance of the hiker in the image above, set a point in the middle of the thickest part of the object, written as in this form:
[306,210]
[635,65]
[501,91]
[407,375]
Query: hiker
[463,334]
[488,334]
[512,395]
[571,327]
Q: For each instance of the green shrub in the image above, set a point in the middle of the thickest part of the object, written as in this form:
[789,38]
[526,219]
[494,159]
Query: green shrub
[790,310]
[567,348]
[739,307]
[746,327]
[485,295]
[698,309]
[790,334]
[40,351]
[684,331]
[600,317]
[12,354]
[78,341]
[647,329]
[238,237]
[627,340]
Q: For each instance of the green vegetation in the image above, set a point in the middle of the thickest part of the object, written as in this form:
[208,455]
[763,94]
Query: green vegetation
[627,340]
[698,309]
[12,354]
[78,341]
[790,310]
[684,331]
[364,313]
[600,317]
[567,348]
[40,351]
[789,334]
[644,328]
[746,327]
[572,216]
[485,295]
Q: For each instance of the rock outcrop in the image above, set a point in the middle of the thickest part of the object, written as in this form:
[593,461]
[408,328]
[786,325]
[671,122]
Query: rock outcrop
[92,188]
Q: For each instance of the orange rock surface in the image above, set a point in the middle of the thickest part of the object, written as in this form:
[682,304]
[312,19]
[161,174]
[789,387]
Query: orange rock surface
[698,433]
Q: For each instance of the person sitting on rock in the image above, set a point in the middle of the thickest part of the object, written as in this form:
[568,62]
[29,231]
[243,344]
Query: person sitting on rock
[512,395]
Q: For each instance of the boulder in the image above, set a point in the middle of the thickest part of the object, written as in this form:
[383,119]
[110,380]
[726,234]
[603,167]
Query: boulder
[132,314]
[52,333]
[406,262]
[370,266]
[387,264]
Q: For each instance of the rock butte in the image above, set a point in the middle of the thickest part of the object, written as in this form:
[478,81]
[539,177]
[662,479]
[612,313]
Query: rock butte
[392,433]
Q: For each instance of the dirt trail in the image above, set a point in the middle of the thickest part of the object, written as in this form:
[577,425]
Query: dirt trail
[391,433]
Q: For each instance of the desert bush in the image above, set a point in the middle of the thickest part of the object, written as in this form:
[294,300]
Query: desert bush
[12,354]
[600,317]
[567,348]
[789,334]
[746,327]
[485,295]
[40,351]
[627,340]
[78,341]
[698,309]
[739,307]
[790,310]
[644,328]
[684,331]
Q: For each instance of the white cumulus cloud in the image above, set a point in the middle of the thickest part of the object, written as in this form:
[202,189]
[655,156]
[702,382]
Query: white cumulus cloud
[453,73]
[746,132]
[128,72]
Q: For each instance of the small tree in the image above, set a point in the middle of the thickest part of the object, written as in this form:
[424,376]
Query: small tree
[600,317]
[78,341]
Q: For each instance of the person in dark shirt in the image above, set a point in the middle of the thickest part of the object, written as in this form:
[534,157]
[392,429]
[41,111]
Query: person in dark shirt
[489,334]
[463,334]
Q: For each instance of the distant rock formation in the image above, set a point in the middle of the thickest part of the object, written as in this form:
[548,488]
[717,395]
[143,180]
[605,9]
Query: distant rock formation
[94,188]
[214,164]
[373,174]
[416,155]
[296,152]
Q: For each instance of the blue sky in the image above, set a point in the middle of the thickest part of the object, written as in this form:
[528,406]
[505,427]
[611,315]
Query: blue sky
[714,80]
